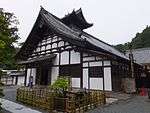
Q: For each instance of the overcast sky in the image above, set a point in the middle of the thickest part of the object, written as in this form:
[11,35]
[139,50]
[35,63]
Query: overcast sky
[115,21]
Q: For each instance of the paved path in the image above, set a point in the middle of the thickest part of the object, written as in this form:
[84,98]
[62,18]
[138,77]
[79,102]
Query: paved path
[10,105]
[10,93]
[137,104]
[16,108]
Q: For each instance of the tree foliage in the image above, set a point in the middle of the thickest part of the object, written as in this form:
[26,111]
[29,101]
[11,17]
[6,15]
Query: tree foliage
[8,37]
[141,40]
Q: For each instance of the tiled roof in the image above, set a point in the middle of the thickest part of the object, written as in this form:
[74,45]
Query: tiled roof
[79,36]
[58,25]
[141,56]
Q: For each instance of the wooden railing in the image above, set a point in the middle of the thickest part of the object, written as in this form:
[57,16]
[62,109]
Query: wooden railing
[49,100]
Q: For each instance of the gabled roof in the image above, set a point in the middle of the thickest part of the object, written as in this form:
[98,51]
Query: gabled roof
[141,55]
[79,38]
[77,19]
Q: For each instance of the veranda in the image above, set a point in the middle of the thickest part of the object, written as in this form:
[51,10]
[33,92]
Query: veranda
[75,100]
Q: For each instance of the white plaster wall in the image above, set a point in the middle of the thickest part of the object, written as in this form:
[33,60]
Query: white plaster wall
[42,48]
[98,58]
[88,58]
[68,47]
[85,78]
[98,63]
[75,57]
[64,58]
[21,80]
[61,43]
[56,59]
[85,64]
[54,45]
[54,74]
[48,46]
[37,49]
[34,75]
[28,75]
[9,81]
[107,79]
[96,83]
[31,71]
[107,63]
[54,39]
[49,40]
[75,82]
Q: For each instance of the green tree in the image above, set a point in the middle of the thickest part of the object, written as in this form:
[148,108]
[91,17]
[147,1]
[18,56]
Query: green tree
[141,40]
[8,37]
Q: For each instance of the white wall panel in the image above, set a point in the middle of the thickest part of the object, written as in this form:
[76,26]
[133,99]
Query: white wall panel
[56,59]
[54,39]
[21,80]
[28,75]
[107,79]
[54,74]
[98,58]
[85,78]
[96,83]
[64,58]
[48,47]
[42,48]
[38,49]
[107,63]
[75,57]
[54,45]
[34,75]
[98,63]
[88,58]
[61,43]
[75,82]
[85,64]
[31,72]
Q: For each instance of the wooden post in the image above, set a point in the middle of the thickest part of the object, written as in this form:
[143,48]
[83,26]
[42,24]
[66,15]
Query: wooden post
[132,63]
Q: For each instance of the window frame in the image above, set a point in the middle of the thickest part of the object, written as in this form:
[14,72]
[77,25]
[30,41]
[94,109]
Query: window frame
[71,67]
[95,73]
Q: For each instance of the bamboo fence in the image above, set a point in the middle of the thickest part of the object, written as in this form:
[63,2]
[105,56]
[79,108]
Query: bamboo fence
[48,99]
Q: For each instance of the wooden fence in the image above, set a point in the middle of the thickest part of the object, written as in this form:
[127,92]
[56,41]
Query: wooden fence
[49,100]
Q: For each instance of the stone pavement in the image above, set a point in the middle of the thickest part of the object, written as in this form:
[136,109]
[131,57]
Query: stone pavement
[10,104]
[136,104]
[16,108]
[10,93]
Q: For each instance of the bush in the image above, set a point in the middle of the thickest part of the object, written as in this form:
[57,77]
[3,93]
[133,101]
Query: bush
[60,86]
[61,83]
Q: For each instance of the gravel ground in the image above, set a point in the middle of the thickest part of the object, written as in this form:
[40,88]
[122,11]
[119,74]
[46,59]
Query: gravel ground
[137,104]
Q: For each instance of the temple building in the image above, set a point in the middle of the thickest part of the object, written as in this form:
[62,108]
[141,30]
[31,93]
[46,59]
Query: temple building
[60,47]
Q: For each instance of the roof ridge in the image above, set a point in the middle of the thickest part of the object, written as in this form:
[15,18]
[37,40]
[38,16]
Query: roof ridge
[139,49]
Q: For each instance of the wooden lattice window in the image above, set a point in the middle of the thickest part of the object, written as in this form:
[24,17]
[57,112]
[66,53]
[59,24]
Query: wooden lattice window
[96,71]
[70,70]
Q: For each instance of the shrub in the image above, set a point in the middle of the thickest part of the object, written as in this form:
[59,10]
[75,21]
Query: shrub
[60,86]
[61,83]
